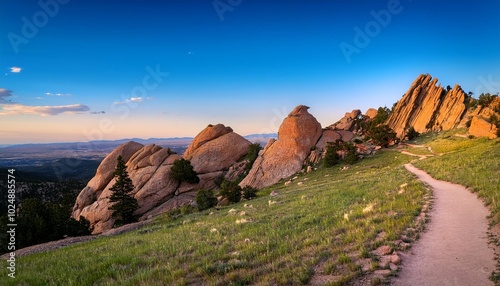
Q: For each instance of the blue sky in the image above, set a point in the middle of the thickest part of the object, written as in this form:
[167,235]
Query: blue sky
[74,70]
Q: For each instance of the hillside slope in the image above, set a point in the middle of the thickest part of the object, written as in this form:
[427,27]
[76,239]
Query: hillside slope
[323,226]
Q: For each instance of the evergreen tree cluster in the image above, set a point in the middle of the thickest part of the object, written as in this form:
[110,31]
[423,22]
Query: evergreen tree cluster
[43,211]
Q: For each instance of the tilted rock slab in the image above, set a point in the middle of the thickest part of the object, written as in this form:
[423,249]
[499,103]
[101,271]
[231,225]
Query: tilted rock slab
[427,107]
[281,158]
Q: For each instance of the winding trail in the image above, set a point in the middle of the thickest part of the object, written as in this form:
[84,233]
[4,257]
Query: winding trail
[454,248]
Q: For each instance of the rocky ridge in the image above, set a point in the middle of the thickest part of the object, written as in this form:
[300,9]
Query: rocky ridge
[217,151]
[426,106]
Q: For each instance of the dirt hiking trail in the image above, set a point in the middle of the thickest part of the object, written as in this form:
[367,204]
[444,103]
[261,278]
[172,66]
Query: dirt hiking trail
[454,248]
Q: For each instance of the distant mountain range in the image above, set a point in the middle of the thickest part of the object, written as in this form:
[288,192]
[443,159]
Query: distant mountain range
[41,154]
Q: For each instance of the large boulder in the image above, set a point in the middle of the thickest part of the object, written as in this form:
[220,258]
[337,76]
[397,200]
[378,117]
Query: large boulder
[281,158]
[371,113]
[327,136]
[217,152]
[482,127]
[211,132]
[214,151]
[427,106]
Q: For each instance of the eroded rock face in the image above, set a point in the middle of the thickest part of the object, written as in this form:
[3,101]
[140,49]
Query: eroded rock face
[281,158]
[427,106]
[215,150]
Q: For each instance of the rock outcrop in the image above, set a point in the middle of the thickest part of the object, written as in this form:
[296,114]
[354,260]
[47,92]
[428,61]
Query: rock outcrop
[281,158]
[426,106]
[371,113]
[216,148]
[482,127]
[347,122]
[481,123]
[212,153]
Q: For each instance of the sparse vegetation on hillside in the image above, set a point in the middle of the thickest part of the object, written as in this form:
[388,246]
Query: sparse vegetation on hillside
[485,99]
[231,191]
[330,222]
[205,199]
[182,171]
[382,135]
[253,152]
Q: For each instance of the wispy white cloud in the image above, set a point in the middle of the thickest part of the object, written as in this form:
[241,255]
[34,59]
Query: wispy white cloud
[4,94]
[98,112]
[136,99]
[15,69]
[58,94]
[18,109]
[132,99]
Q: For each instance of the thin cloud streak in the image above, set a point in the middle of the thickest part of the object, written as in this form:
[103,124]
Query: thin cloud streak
[20,109]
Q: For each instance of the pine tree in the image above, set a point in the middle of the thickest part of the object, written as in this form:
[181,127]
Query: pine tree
[124,204]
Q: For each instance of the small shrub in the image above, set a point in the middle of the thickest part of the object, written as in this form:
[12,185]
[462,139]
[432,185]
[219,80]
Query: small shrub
[494,119]
[187,209]
[471,136]
[249,193]
[348,149]
[231,191]
[205,199]
[412,133]
[253,153]
[468,123]
[182,171]
[382,135]
[331,156]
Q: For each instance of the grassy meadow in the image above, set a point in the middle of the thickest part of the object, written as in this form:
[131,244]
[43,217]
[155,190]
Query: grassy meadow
[324,223]
[474,163]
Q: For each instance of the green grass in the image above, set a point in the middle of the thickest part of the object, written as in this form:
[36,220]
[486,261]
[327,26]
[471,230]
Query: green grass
[419,151]
[282,241]
[474,163]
